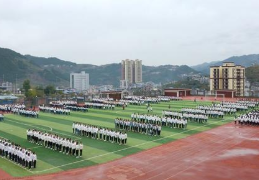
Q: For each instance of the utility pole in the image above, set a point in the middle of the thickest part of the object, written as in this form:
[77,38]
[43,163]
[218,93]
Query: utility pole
[15,84]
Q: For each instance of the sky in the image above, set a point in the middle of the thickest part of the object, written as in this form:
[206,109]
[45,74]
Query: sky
[158,32]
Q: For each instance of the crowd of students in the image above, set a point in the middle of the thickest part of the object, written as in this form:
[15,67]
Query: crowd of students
[251,118]
[152,100]
[248,103]
[15,153]
[63,103]
[25,113]
[100,106]
[218,107]
[54,110]
[76,108]
[146,118]
[210,113]
[56,143]
[7,108]
[171,98]
[109,101]
[99,133]
[200,118]
[157,120]
[134,126]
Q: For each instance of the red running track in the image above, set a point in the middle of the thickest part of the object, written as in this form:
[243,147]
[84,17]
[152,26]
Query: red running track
[225,153]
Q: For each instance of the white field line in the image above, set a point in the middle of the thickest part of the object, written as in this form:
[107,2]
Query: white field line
[18,165]
[35,147]
[105,154]
[44,129]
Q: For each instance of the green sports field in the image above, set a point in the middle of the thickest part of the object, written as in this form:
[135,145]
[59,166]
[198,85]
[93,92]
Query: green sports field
[95,152]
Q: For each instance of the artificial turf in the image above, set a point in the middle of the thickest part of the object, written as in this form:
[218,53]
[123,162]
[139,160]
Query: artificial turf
[95,152]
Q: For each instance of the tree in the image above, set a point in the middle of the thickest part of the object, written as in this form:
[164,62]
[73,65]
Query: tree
[32,93]
[50,90]
[26,86]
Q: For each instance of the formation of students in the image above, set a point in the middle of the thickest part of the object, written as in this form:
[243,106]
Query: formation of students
[26,113]
[143,99]
[100,106]
[218,107]
[63,103]
[251,118]
[7,108]
[200,118]
[249,103]
[144,128]
[172,98]
[238,106]
[132,102]
[76,108]
[56,143]
[210,113]
[145,118]
[109,101]
[99,133]
[54,110]
[157,120]
[15,153]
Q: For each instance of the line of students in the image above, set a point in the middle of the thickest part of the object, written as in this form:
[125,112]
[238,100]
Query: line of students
[210,113]
[54,110]
[103,134]
[144,128]
[109,101]
[218,107]
[143,99]
[200,118]
[26,113]
[63,103]
[8,107]
[251,118]
[76,108]
[15,153]
[56,143]
[146,118]
[100,106]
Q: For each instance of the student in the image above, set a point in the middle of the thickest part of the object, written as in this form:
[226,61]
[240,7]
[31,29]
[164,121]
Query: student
[77,147]
[1,117]
[81,146]
[34,159]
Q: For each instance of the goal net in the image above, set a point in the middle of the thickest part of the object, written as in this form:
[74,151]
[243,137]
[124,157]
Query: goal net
[219,97]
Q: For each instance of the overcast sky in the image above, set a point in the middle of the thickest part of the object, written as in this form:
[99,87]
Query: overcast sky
[107,31]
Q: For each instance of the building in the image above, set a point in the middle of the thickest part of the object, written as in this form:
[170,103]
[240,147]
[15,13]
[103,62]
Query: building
[124,84]
[79,81]
[7,86]
[137,71]
[131,72]
[228,77]
[116,94]
[177,92]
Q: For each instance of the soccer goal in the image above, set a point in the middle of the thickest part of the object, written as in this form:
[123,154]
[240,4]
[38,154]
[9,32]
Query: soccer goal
[219,97]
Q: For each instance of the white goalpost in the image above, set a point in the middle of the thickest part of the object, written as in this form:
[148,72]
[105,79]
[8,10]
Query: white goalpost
[220,97]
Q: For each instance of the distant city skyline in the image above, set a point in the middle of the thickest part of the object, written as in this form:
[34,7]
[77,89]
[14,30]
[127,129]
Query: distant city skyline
[107,31]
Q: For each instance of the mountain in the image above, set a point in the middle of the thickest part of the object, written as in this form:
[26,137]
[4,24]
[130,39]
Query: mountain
[245,60]
[45,71]
[41,61]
